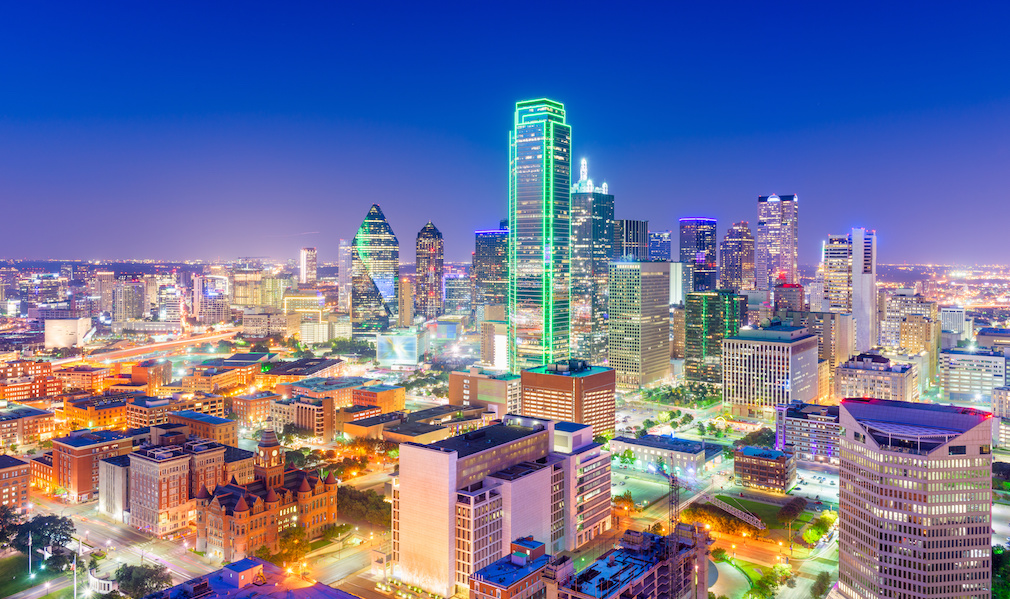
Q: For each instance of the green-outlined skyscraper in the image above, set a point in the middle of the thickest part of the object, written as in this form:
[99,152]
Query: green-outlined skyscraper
[375,268]
[539,225]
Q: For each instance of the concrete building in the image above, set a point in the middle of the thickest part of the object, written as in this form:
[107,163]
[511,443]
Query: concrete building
[159,489]
[765,469]
[496,392]
[280,373]
[994,339]
[144,411]
[307,266]
[656,453]
[640,567]
[253,408]
[519,575]
[915,501]
[315,416]
[24,426]
[899,305]
[114,488]
[389,398]
[15,478]
[1001,417]
[872,375]
[967,374]
[850,282]
[639,323]
[107,412]
[29,387]
[953,319]
[265,324]
[835,332]
[809,431]
[205,426]
[84,378]
[76,458]
[340,389]
[491,486]
[764,367]
[494,344]
[66,332]
[789,297]
[572,391]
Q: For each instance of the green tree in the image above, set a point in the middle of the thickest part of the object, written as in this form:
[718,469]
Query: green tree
[45,531]
[701,429]
[293,544]
[260,347]
[627,457]
[10,523]
[760,438]
[822,584]
[140,581]
[719,554]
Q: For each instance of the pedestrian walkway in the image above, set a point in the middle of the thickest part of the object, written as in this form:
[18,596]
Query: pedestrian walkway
[731,582]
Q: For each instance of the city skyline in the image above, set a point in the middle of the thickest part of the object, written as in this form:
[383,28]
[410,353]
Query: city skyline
[280,127]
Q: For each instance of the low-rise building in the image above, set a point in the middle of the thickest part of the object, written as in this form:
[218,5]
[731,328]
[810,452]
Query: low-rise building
[152,374]
[389,398]
[106,412]
[239,465]
[572,391]
[422,426]
[340,389]
[29,387]
[24,426]
[205,426]
[41,468]
[350,414]
[15,478]
[808,430]
[252,576]
[515,576]
[253,408]
[766,469]
[114,488]
[76,458]
[144,411]
[657,453]
[967,374]
[86,378]
[317,417]
[280,373]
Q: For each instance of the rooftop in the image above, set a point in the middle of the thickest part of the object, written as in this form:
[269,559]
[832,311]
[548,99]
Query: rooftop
[122,461]
[86,437]
[15,411]
[506,572]
[925,416]
[303,367]
[331,383]
[674,444]
[804,411]
[575,368]
[761,452]
[486,438]
[7,461]
[235,454]
[379,388]
[271,582]
[618,568]
[377,420]
[201,417]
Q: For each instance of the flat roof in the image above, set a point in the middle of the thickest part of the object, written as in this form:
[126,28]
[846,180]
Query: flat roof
[85,437]
[762,452]
[379,387]
[486,438]
[121,461]
[569,427]
[572,368]
[303,366]
[330,383]
[504,573]
[7,461]
[15,411]
[926,416]
[377,420]
[190,414]
[674,444]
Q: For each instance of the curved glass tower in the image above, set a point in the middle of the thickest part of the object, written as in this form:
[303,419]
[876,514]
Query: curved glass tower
[430,272]
[375,268]
[539,226]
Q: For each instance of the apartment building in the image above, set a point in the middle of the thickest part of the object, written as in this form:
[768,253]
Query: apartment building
[809,431]
[84,378]
[253,408]
[24,426]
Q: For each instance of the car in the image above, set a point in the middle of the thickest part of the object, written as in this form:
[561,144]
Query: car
[832,483]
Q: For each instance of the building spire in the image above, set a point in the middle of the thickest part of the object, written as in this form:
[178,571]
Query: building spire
[583,170]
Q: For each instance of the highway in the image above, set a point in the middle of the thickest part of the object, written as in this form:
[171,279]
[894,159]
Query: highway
[151,348]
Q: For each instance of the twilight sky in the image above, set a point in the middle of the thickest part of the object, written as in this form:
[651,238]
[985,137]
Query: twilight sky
[178,130]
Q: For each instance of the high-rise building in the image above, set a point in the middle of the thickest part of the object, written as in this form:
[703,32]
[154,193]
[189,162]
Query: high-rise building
[457,295]
[490,267]
[776,245]
[405,315]
[836,336]
[767,366]
[899,305]
[345,269]
[736,258]
[789,297]
[639,323]
[128,301]
[307,266]
[539,225]
[850,281]
[631,239]
[375,259]
[592,246]
[954,319]
[710,317]
[661,246]
[574,391]
[429,272]
[971,374]
[915,501]
[871,375]
[698,253]
[247,285]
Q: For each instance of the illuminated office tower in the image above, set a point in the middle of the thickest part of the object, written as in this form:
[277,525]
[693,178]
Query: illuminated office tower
[307,266]
[429,272]
[129,300]
[490,266]
[592,243]
[698,254]
[405,317]
[639,322]
[273,287]
[850,281]
[631,239]
[736,258]
[775,253]
[898,306]
[539,224]
[710,317]
[660,244]
[458,295]
[915,501]
[375,267]
[344,272]
[247,286]
[105,280]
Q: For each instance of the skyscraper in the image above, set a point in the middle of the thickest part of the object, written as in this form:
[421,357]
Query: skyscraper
[850,281]
[698,253]
[375,267]
[307,266]
[592,242]
[915,501]
[490,266]
[639,325]
[736,258]
[539,224]
[405,318]
[631,239]
[344,272]
[711,316]
[429,294]
[660,244]
[777,233]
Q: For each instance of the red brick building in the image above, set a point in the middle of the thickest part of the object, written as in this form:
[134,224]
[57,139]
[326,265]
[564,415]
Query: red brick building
[76,458]
[15,476]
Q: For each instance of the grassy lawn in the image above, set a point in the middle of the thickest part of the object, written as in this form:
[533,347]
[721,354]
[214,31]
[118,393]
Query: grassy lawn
[318,544]
[802,519]
[766,512]
[752,570]
[14,575]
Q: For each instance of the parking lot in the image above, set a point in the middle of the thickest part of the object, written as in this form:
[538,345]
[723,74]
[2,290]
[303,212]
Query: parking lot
[817,485]
[641,490]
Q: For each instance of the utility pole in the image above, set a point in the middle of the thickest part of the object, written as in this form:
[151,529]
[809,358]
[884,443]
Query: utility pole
[30,575]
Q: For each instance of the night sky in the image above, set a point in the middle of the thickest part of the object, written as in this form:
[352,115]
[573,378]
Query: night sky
[180,131]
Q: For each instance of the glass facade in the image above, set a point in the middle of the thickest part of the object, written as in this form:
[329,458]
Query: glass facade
[736,258]
[375,268]
[698,253]
[710,317]
[777,232]
[430,272]
[539,226]
[592,241]
[490,266]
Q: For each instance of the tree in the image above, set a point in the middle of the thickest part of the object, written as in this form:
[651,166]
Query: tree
[260,348]
[760,438]
[656,528]
[627,457]
[791,510]
[719,554]
[293,544]
[625,501]
[701,429]
[10,522]
[140,581]
[45,531]
[822,584]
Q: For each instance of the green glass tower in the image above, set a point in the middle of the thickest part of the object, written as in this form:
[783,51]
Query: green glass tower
[539,226]
[375,268]
[711,316]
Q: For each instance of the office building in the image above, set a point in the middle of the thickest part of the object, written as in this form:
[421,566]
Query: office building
[573,391]
[405,317]
[764,469]
[539,224]
[809,431]
[345,270]
[768,366]
[661,246]
[205,426]
[915,501]
[993,338]
[676,284]
[307,267]
[899,305]
[340,388]
[789,297]
[953,319]
[76,457]
[872,375]
[736,258]
[967,374]
[659,453]
[836,336]
[375,280]
[631,240]
[710,317]
[919,334]
[1001,417]
[592,247]
[775,252]
[494,344]
[29,387]
[15,478]
[142,411]
[129,301]
[497,392]
[429,272]
[850,282]
[643,565]
[252,576]
[267,324]
[525,477]
[678,332]
[639,323]
[458,291]
[490,266]
[388,398]
[24,426]
[698,254]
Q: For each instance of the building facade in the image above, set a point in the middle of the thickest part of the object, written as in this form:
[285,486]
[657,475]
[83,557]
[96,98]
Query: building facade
[15,478]
[497,392]
[736,258]
[808,430]
[850,282]
[572,391]
[429,294]
[375,263]
[967,374]
[592,247]
[490,267]
[639,323]
[710,317]
[872,375]
[776,249]
[765,469]
[765,367]
[698,254]
[75,461]
[631,240]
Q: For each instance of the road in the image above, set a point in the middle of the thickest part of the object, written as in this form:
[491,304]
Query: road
[152,348]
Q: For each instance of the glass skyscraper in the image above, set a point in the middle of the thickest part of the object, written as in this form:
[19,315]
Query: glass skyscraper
[776,243]
[710,317]
[539,225]
[592,240]
[698,253]
[490,266]
[660,244]
[429,272]
[375,273]
[736,258]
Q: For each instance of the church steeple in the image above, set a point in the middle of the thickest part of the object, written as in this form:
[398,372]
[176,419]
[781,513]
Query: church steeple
[269,462]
